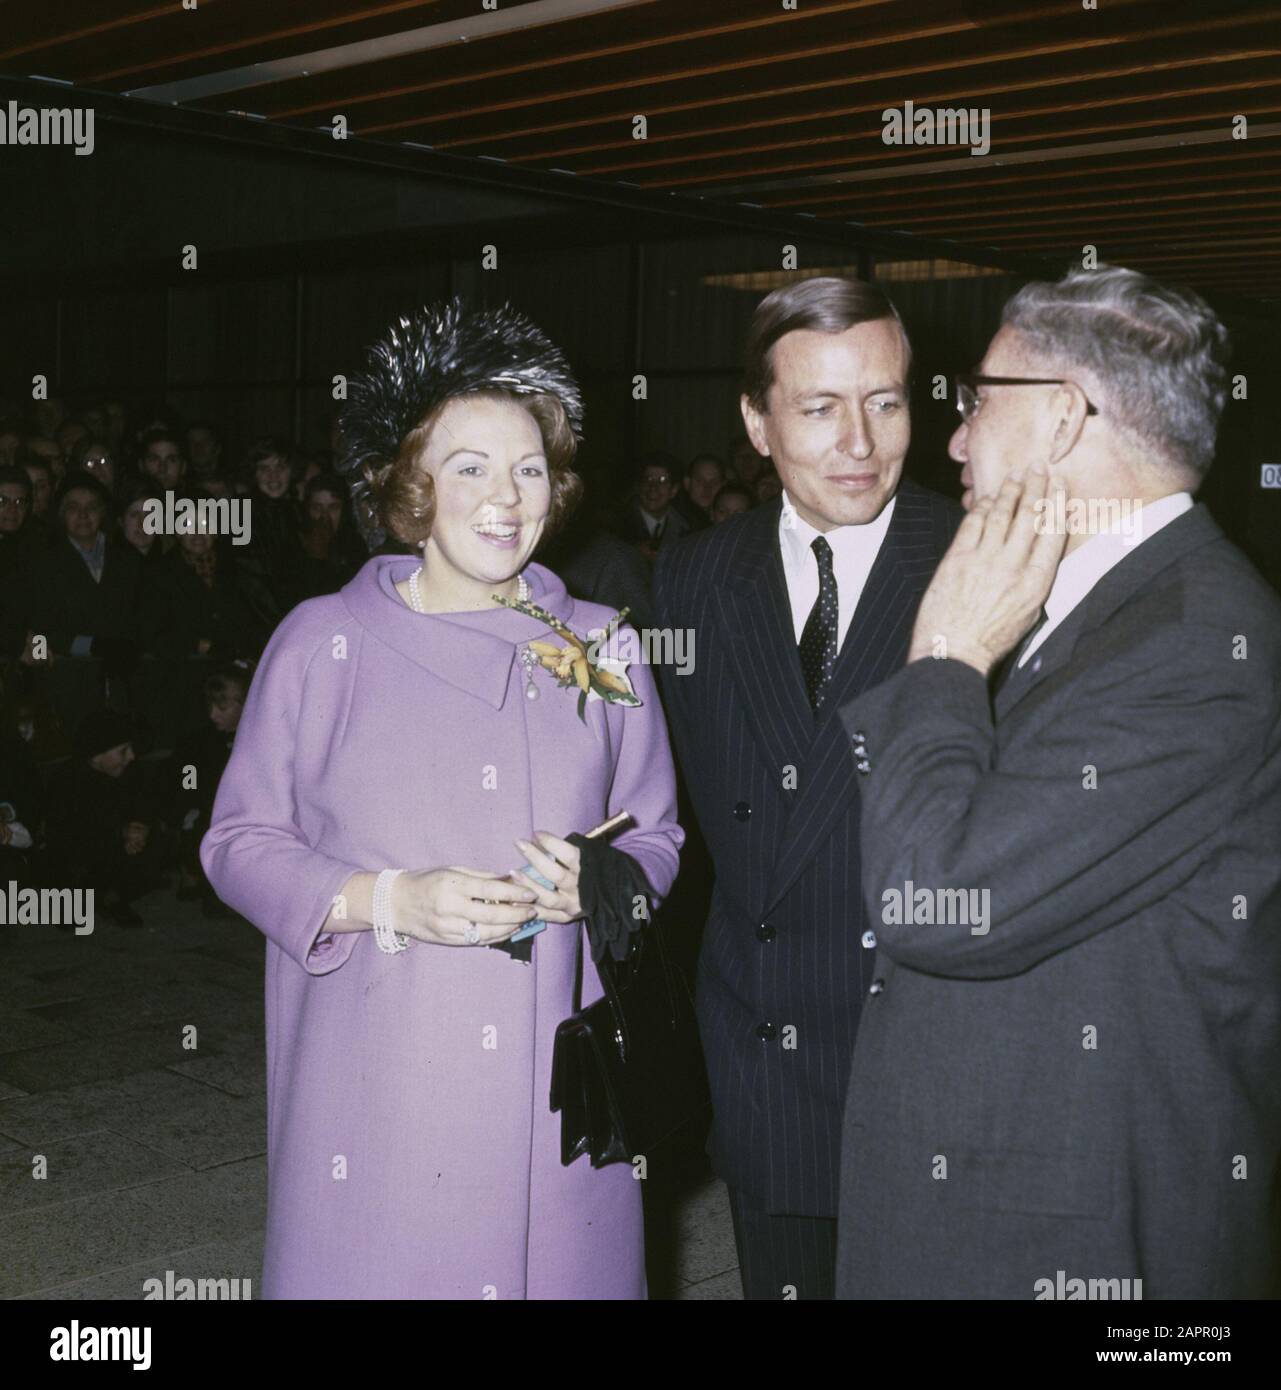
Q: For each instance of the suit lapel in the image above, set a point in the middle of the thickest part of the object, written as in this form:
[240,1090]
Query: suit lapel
[1048,657]
[874,647]
[757,618]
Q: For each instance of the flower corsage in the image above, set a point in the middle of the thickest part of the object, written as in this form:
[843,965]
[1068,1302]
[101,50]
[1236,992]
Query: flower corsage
[579,664]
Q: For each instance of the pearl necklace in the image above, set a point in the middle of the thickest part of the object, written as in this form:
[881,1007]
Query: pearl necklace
[528,660]
[416,602]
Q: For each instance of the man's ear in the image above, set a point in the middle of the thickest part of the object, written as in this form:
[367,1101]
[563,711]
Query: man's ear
[1069,407]
[754,426]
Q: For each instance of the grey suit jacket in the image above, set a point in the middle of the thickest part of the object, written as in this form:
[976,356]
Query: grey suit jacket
[1092,1085]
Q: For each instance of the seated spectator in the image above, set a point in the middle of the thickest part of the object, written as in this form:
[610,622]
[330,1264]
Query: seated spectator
[103,829]
[43,485]
[19,832]
[275,552]
[332,550]
[16,495]
[49,415]
[84,590]
[157,418]
[305,468]
[21,814]
[204,448]
[20,546]
[768,486]
[37,447]
[96,459]
[730,500]
[69,434]
[198,602]
[131,513]
[117,423]
[197,765]
[598,565]
[161,459]
[650,521]
[703,480]
[94,416]
[35,723]
[745,463]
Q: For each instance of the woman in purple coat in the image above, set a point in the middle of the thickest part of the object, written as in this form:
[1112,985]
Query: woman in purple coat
[404,750]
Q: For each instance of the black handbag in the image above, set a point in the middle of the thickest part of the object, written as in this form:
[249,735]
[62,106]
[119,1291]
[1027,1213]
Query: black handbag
[627,1071]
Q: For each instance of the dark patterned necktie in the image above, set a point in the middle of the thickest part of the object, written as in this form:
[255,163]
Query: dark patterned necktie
[818,640]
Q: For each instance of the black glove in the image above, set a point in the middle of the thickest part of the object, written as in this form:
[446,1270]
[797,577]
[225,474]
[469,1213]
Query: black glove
[609,882]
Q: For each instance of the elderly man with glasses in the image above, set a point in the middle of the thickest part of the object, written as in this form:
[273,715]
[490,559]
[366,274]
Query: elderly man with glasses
[1066,1084]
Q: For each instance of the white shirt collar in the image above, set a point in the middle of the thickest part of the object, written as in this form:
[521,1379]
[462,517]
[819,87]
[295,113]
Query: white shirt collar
[796,536]
[1081,570]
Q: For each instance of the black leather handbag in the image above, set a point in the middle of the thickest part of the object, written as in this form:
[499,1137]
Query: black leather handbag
[627,1071]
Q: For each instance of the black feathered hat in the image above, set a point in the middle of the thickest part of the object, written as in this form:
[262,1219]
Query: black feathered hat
[440,351]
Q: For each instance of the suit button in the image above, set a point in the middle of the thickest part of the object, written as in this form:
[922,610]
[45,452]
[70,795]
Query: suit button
[766,1032]
[742,811]
[869,939]
[864,766]
[859,737]
[877,987]
[765,932]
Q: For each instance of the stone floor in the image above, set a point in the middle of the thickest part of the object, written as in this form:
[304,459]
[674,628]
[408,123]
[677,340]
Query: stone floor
[156,1152]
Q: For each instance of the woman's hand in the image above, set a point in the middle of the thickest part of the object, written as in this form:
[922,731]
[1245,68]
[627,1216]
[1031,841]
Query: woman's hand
[557,860]
[441,906]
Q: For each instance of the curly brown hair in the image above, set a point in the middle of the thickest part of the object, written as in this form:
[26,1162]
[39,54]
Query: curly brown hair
[405,494]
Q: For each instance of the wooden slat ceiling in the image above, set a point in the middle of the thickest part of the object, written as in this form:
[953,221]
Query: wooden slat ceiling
[1110,126]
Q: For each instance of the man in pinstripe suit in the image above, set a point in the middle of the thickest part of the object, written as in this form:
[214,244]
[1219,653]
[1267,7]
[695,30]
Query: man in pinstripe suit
[796,607]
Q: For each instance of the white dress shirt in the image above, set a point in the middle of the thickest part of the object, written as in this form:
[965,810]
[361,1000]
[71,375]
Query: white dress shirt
[1080,571]
[854,551]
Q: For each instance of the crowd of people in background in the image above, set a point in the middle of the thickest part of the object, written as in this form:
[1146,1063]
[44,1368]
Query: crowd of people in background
[127,651]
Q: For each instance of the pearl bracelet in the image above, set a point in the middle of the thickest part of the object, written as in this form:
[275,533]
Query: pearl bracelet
[387,938]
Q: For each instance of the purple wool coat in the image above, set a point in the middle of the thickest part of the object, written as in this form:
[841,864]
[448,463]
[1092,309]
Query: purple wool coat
[412,1151]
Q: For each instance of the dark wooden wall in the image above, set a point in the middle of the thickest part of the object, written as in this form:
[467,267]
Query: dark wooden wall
[302,264]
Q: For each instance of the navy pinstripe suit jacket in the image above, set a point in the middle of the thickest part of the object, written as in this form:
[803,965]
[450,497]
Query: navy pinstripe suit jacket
[784,967]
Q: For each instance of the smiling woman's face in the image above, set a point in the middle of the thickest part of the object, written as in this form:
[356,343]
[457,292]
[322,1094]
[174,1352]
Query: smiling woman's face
[493,488]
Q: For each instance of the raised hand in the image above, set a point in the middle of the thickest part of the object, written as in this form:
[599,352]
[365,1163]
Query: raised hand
[995,577]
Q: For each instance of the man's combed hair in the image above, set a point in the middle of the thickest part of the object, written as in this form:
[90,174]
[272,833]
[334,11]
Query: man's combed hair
[1158,354]
[822,304]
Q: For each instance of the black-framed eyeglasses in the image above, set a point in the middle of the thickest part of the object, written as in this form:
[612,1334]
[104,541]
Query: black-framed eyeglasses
[967,384]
